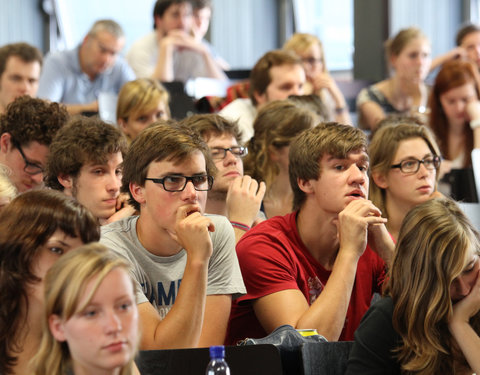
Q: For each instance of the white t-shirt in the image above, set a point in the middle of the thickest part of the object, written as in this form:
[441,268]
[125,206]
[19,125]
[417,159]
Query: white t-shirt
[158,278]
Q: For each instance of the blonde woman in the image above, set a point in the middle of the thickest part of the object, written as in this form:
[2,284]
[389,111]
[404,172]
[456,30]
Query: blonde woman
[404,165]
[319,82]
[276,125]
[8,191]
[429,321]
[140,103]
[408,56]
[91,317]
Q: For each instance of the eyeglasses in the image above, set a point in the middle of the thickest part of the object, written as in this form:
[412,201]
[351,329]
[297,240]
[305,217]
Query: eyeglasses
[176,183]
[311,61]
[30,168]
[219,153]
[413,165]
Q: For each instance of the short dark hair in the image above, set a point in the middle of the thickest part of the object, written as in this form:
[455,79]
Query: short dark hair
[260,75]
[208,125]
[309,147]
[163,140]
[201,4]
[26,52]
[30,119]
[162,5]
[464,31]
[82,140]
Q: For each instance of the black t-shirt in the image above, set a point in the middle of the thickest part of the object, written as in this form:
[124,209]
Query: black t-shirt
[375,339]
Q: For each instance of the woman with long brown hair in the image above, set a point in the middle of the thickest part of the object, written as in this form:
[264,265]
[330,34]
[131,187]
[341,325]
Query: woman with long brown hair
[36,228]
[275,126]
[455,112]
[432,296]
[404,166]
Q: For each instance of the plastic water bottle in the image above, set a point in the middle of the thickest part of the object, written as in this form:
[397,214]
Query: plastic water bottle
[217,365]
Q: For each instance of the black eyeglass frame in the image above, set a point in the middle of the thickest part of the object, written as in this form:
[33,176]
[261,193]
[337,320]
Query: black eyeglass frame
[435,159]
[37,169]
[161,181]
[243,149]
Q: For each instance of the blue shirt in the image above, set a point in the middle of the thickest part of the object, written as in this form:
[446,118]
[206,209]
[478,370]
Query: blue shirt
[62,80]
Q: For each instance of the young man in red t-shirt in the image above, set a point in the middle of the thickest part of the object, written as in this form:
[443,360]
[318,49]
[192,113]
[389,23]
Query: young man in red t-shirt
[313,268]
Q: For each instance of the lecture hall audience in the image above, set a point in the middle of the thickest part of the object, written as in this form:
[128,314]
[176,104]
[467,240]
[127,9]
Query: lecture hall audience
[218,227]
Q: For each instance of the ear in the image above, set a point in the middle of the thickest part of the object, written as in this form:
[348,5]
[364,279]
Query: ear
[67,182]
[305,185]
[260,98]
[380,180]
[55,323]
[273,153]
[159,24]
[5,143]
[138,192]
[393,61]
[122,124]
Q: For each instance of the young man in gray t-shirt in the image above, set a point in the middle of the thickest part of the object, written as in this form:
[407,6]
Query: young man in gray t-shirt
[183,261]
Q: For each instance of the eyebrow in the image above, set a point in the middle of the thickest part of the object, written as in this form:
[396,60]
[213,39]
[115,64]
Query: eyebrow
[183,174]
[414,157]
[331,158]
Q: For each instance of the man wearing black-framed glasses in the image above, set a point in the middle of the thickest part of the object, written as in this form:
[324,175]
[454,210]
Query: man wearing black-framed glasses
[234,195]
[26,131]
[167,172]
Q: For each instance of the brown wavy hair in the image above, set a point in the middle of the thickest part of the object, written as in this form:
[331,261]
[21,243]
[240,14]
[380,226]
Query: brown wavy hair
[452,75]
[432,246]
[276,125]
[26,224]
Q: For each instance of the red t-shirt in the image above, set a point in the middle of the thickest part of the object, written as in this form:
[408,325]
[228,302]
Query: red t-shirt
[273,258]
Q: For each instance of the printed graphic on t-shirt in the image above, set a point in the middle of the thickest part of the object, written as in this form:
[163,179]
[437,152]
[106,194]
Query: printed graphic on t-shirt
[164,296]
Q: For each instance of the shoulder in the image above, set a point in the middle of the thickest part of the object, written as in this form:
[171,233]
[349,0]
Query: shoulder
[375,340]
[273,233]
[118,230]
[238,104]
[145,41]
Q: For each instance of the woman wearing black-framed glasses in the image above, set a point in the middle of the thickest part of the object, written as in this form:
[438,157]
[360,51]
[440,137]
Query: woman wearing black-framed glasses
[404,165]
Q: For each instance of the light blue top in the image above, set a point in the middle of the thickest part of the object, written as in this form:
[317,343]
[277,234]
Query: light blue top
[62,80]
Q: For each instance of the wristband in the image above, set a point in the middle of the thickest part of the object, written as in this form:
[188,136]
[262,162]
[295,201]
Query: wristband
[241,226]
[475,124]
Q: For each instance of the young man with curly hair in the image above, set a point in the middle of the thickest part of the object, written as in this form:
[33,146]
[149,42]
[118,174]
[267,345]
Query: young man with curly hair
[26,131]
[85,163]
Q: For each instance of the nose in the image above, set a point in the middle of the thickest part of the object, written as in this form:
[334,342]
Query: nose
[23,87]
[356,175]
[113,323]
[477,49]
[189,193]
[423,171]
[461,287]
[114,182]
[107,59]
[37,178]
[229,158]
[297,90]
[460,106]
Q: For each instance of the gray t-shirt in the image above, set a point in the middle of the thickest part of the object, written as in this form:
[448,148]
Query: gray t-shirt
[159,277]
